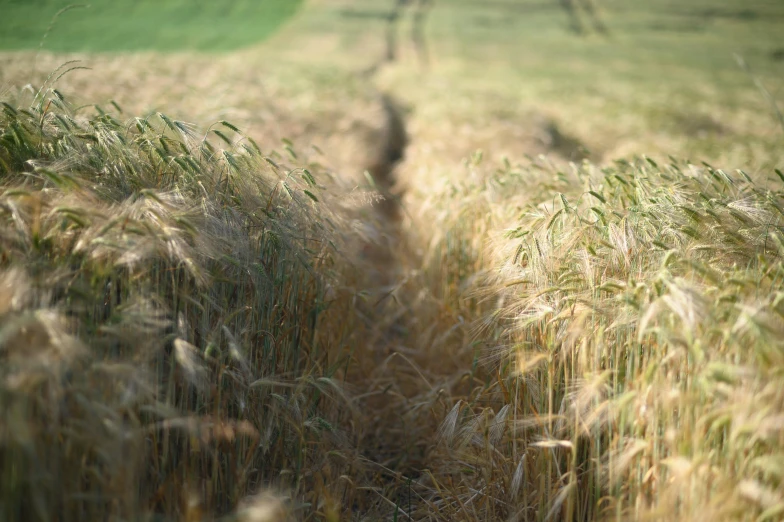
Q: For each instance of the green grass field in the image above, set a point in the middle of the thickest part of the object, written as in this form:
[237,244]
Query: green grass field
[567,307]
[144,25]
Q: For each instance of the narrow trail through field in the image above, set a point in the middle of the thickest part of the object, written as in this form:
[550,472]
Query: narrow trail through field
[416,366]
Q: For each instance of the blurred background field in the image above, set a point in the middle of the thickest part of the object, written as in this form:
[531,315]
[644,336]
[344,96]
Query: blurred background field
[664,80]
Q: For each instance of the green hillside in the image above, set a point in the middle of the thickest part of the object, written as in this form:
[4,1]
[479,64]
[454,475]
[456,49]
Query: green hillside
[126,25]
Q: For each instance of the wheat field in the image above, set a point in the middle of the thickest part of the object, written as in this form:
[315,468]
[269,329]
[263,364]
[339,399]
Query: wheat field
[519,274]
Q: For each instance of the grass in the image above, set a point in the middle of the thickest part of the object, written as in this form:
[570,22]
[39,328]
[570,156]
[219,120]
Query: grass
[110,26]
[163,305]
[633,317]
[578,315]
